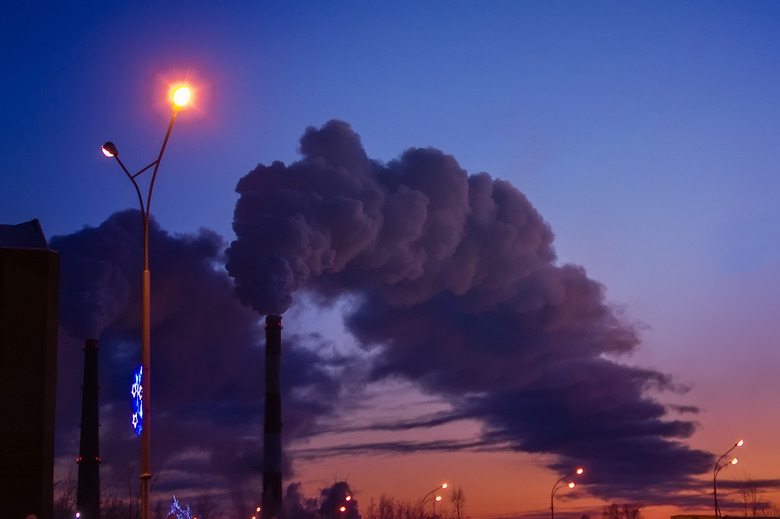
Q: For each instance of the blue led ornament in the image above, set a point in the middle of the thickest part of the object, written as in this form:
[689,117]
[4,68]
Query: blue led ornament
[178,511]
[136,392]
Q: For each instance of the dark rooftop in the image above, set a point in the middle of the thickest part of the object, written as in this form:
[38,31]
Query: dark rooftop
[27,235]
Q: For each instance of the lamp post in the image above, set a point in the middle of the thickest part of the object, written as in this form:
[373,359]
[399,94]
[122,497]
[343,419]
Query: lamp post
[342,508]
[558,485]
[718,468]
[181,97]
[425,497]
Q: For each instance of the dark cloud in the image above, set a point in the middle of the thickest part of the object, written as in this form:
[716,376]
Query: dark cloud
[455,283]
[207,360]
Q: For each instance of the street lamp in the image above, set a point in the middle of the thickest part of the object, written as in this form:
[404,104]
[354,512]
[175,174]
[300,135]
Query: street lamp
[438,498]
[558,485]
[718,468]
[180,98]
[342,508]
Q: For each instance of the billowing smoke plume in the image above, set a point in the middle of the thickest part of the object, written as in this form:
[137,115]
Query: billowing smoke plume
[206,366]
[456,282]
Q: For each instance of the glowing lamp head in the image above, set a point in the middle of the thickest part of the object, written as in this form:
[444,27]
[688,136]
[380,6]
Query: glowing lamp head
[109,149]
[444,485]
[734,461]
[572,485]
[348,498]
[181,96]
[740,443]
[580,471]
[438,498]
[343,509]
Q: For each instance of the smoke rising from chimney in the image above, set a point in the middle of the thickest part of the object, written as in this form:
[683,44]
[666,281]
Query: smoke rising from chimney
[455,282]
[452,283]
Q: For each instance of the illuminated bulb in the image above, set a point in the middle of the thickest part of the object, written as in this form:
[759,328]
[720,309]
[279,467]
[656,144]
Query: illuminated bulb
[571,485]
[580,471]
[740,443]
[109,149]
[348,498]
[343,509]
[734,461]
[181,97]
[444,485]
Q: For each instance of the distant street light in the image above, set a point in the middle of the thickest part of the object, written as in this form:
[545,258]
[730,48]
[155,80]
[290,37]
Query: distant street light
[180,98]
[718,468]
[342,508]
[558,485]
[438,498]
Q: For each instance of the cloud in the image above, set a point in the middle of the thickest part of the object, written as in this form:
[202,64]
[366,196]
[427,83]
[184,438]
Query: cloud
[455,284]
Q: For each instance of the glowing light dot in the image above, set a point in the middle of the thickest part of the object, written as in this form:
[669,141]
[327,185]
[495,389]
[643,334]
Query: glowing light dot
[181,96]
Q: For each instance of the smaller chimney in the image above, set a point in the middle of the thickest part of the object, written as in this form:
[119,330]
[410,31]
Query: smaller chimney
[272,428]
[88,490]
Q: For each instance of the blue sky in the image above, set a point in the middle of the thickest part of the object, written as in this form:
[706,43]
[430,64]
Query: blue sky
[645,133]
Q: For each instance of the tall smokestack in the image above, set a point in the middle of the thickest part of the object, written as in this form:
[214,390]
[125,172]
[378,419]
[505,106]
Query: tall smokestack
[272,429]
[88,491]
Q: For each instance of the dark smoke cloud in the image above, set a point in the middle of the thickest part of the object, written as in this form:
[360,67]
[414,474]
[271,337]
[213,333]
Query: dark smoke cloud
[207,360]
[455,282]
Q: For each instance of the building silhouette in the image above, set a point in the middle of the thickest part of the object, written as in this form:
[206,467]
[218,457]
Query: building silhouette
[29,298]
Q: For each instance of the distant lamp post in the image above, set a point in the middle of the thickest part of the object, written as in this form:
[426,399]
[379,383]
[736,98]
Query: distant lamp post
[180,98]
[718,468]
[342,508]
[438,498]
[558,485]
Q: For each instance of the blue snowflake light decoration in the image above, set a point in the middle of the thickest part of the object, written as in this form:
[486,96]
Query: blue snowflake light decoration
[178,511]
[137,391]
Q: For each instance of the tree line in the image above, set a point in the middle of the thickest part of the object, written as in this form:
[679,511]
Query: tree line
[122,500]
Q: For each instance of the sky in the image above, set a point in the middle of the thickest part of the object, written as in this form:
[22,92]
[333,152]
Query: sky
[508,239]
